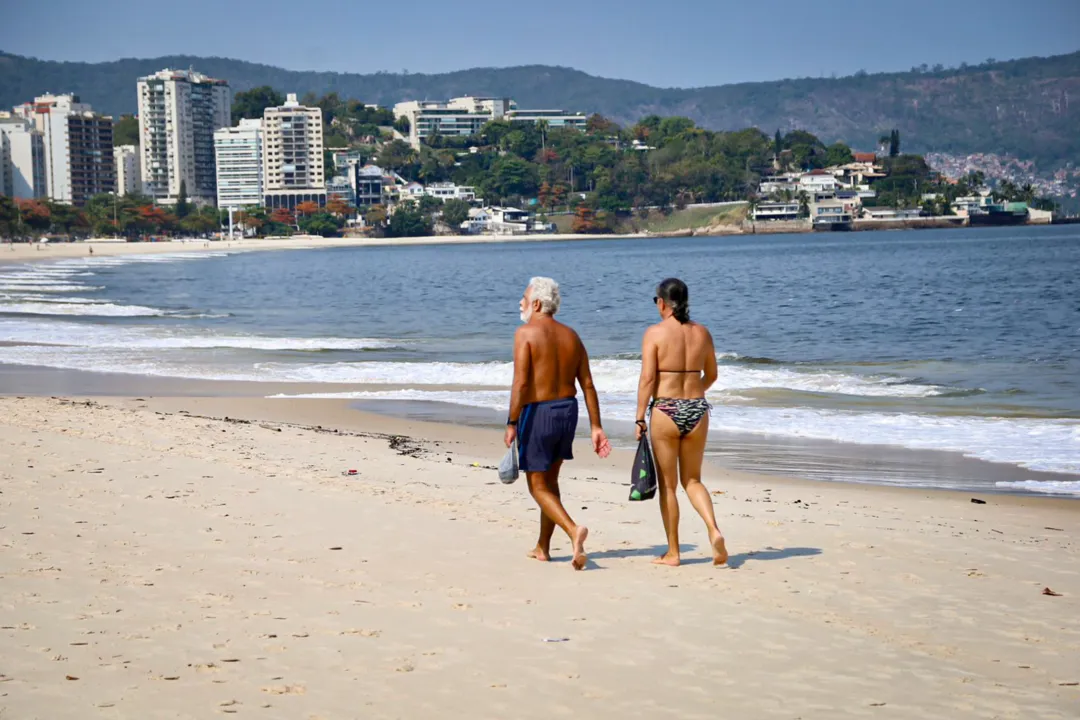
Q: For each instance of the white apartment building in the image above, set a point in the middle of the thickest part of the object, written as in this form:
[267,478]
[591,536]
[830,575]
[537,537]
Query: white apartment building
[24,169]
[238,153]
[128,172]
[293,155]
[818,181]
[76,144]
[450,191]
[179,110]
[465,116]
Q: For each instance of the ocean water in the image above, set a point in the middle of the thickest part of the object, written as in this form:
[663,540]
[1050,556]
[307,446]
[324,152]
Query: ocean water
[958,342]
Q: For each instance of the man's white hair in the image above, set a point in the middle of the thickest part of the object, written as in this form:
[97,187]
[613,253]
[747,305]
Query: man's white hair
[546,291]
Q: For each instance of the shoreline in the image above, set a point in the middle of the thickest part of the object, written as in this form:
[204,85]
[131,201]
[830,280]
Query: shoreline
[38,252]
[814,462]
[168,559]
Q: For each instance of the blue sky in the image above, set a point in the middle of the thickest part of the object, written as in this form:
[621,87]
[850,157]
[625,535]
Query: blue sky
[683,43]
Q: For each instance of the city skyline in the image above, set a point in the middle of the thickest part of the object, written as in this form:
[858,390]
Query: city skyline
[707,45]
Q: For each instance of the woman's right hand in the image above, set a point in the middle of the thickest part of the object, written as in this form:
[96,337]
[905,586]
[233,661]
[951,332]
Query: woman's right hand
[639,430]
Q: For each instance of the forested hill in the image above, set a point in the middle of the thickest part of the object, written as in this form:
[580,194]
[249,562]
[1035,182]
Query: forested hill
[1029,108]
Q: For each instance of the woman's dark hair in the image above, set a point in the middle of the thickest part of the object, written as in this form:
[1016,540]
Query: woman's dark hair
[674,292]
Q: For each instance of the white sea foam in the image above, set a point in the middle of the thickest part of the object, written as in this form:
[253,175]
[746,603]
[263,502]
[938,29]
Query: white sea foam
[56,288]
[1036,444]
[49,299]
[112,337]
[83,309]
[1051,487]
[31,282]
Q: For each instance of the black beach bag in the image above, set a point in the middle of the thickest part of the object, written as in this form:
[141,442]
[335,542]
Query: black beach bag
[643,474]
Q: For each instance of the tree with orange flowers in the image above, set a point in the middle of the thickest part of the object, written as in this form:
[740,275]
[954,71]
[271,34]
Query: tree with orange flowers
[339,206]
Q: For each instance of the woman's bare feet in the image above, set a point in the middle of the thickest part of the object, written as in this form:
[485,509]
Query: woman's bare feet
[719,549]
[580,558]
[539,553]
[668,559]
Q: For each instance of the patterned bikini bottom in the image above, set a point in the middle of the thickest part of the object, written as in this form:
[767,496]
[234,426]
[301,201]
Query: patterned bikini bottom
[686,413]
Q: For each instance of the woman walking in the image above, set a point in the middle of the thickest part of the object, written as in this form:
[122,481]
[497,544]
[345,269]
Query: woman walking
[678,365]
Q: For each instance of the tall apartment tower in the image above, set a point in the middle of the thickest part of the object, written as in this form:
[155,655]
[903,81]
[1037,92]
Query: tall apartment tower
[179,110]
[239,156]
[128,173]
[24,170]
[293,155]
[78,147]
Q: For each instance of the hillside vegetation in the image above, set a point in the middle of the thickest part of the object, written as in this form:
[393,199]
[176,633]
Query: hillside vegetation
[1027,108]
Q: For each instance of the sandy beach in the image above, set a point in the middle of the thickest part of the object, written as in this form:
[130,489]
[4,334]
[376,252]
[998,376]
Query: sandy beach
[162,561]
[37,252]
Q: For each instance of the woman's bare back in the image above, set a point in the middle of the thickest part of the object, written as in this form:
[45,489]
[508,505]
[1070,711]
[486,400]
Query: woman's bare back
[685,358]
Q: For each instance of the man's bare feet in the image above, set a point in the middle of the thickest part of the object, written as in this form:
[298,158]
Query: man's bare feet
[719,549]
[667,559]
[539,553]
[580,558]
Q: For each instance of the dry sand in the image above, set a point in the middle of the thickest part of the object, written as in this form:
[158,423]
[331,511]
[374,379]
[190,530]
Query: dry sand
[20,252]
[164,564]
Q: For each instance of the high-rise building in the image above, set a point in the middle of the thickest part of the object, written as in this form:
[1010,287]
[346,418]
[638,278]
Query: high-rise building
[90,138]
[77,142]
[24,170]
[5,166]
[179,110]
[293,155]
[128,173]
[238,153]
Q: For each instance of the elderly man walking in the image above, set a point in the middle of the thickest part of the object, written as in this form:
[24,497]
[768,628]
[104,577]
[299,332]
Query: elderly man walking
[549,358]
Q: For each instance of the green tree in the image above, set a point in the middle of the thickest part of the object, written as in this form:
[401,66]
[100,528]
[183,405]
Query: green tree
[250,104]
[198,224]
[182,207]
[396,155]
[838,154]
[408,222]
[894,143]
[126,131]
[323,224]
[511,176]
[455,212]
[429,204]
[401,124]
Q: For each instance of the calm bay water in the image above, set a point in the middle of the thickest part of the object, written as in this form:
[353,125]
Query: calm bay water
[965,341]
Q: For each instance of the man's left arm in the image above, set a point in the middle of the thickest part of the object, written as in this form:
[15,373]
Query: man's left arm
[601,446]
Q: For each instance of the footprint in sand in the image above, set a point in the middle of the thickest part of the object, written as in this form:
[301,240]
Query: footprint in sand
[285,689]
[361,632]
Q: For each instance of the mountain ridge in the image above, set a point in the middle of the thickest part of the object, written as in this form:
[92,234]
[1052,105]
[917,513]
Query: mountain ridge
[1017,107]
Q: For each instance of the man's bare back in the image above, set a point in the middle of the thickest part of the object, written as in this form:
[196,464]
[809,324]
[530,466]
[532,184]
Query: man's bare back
[553,355]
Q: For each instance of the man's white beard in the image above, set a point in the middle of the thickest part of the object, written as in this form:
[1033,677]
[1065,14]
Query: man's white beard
[526,315]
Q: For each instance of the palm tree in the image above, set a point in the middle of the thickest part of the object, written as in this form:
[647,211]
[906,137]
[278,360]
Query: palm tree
[542,126]
[804,204]
[752,203]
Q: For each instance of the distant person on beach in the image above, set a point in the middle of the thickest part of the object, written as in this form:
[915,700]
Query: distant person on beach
[548,358]
[678,365]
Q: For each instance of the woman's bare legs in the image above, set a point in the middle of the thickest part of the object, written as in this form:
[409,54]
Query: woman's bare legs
[691,455]
[666,442]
